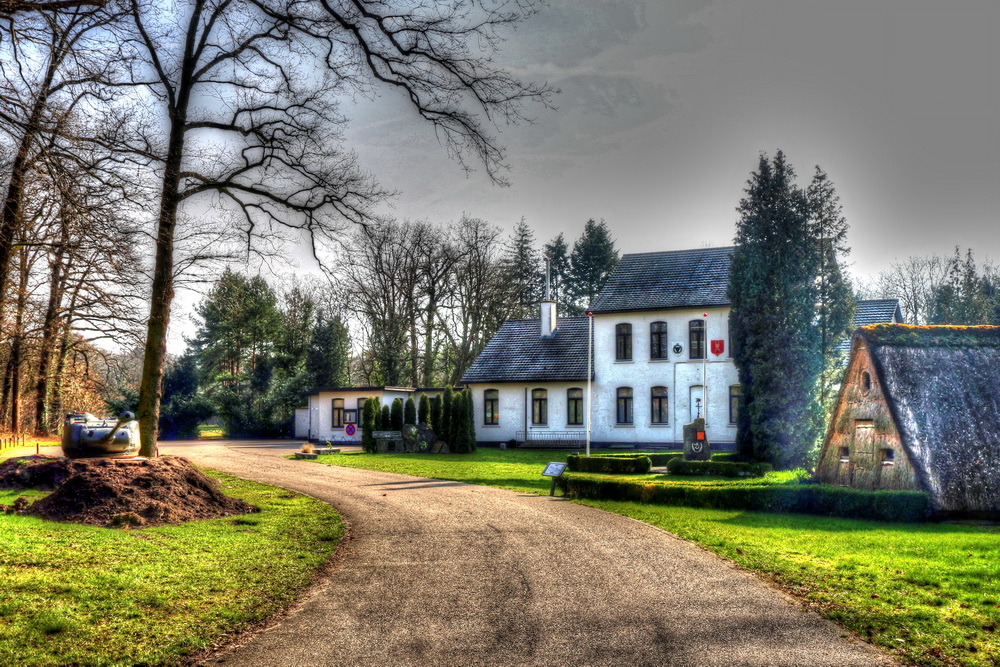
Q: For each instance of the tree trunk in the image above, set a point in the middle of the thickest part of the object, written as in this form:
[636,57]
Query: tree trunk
[50,326]
[161,297]
[17,345]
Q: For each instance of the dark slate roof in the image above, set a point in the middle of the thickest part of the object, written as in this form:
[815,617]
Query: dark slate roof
[877,311]
[518,353]
[672,279]
[943,390]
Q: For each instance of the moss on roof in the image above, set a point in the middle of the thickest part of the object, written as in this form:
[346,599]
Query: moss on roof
[907,335]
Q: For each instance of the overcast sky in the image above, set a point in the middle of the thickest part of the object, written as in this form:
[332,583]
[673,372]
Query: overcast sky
[665,106]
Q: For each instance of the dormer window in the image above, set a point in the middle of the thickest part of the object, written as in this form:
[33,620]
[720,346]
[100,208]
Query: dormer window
[623,342]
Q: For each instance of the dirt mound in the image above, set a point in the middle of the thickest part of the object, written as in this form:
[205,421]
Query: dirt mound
[34,472]
[154,492]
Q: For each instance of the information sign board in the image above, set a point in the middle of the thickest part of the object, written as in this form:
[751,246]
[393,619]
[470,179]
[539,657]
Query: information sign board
[554,469]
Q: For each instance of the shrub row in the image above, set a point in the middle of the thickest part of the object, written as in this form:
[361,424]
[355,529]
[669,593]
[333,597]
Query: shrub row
[657,458]
[787,498]
[720,468]
[610,464]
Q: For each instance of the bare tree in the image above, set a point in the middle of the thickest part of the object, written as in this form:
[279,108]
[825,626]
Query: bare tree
[51,64]
[914,281]
[250,119]
[483,299]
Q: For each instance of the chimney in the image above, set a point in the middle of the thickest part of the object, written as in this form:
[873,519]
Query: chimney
[548,307]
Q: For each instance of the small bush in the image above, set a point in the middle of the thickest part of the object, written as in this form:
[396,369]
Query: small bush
[609,464]
[822,499]
[719,468]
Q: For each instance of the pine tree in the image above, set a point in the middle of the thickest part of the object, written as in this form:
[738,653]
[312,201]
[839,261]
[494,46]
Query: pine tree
[522,267]
[410,411]
[773,326]
[593,259]
[424,411]
[557,252]
[396,415]
[329,354]
[386,418]
[444,432]
[835,304]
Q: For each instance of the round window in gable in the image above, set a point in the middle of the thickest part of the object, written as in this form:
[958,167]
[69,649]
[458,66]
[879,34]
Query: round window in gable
[866,382]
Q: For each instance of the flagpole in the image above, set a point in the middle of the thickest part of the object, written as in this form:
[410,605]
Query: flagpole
[590,358]
[704,372]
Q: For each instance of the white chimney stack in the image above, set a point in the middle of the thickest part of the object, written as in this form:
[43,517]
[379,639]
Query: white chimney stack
[548,306]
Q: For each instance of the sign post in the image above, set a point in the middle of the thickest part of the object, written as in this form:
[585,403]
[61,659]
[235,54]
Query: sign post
[555,471]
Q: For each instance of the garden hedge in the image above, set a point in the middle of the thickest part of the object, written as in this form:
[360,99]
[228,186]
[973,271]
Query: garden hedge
[639,465]
[657,458]
[719,468]
[819,499]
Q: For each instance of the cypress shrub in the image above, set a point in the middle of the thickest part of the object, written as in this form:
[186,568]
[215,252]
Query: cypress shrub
[470,420]
[610,464]
[410,411]
[435,422]
[424,411]
[368,417]
[820,499]
[386,418]
[720,468]
[396,416]
[457,430]
[445,430]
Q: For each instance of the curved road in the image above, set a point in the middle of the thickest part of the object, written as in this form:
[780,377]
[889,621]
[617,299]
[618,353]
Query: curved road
[443,573]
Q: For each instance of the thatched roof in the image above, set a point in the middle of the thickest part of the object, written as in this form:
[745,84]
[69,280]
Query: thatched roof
[942,385]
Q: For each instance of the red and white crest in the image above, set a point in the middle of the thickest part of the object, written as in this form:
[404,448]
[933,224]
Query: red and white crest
[718,347]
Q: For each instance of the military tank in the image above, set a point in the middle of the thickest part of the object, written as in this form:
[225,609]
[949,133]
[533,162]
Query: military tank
[86,436]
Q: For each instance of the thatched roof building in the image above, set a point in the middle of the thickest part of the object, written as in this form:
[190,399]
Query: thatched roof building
[919,409]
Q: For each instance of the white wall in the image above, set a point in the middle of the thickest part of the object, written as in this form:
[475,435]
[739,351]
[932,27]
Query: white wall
[512,408]
[678,373]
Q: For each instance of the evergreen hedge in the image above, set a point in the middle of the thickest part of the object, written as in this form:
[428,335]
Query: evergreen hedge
[396,415]
[637,464]
[657,458]
[386,421]
[424,410]
[822,499]
[410,411]
[370,421]
[719,468]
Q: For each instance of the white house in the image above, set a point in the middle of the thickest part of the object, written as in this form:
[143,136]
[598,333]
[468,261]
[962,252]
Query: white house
[330,410]
[661,357]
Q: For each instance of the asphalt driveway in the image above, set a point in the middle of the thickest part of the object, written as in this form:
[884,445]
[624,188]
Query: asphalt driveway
[443,573]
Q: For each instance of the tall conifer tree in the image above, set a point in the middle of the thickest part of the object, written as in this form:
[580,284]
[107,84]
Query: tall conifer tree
[593,259]
[835,304]
[773,326]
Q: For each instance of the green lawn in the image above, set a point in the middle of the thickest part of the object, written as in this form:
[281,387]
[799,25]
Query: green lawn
[73,594]
[929,593]
[519,470]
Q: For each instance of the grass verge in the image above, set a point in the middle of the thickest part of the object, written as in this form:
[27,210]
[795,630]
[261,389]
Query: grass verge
[77,594]
[928,593]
